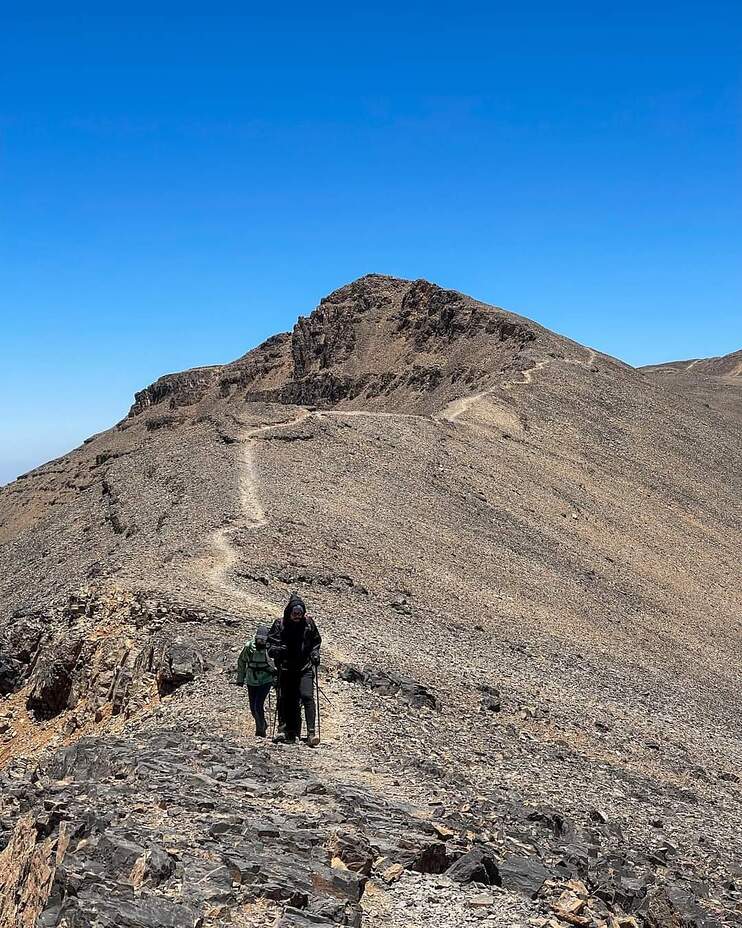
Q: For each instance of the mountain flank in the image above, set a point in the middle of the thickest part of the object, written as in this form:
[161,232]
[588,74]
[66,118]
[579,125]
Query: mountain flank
[524,559]
[716,383]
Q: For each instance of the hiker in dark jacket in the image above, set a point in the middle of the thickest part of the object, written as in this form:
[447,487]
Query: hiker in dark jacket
[256,671]
[293,644]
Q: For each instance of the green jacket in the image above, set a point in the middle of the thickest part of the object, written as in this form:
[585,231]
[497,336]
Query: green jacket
[254,667]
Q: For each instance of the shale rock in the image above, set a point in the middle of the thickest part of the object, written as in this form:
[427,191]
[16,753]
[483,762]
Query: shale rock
[390,684]
[178,663]
[476,866]
[523,874]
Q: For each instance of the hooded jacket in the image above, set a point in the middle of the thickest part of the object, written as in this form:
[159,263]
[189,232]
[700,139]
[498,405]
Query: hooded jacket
[294,645]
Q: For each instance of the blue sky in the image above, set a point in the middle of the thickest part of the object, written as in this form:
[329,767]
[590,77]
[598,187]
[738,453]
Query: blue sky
[176,186]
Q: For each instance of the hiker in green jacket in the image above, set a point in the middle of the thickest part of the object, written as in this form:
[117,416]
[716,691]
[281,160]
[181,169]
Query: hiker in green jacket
[257,671]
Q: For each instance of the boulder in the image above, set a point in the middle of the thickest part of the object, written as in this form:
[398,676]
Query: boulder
[353,850]
[179,663]
[51,680]
[476,866]
[523,874]
[490,698]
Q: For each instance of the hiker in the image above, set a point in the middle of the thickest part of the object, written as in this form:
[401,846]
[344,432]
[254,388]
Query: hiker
[256,670]
[293,644]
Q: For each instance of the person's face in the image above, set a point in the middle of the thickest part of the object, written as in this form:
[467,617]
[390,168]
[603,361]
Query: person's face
[297,613]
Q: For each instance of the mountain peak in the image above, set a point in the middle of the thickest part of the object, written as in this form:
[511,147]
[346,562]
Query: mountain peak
[378,342]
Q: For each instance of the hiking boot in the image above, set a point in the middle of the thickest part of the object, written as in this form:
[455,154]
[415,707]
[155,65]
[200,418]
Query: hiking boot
[312,739]
[284,738]
[261,732]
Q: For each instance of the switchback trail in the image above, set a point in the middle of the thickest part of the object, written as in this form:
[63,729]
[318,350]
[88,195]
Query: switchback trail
[453,410]
[456,408]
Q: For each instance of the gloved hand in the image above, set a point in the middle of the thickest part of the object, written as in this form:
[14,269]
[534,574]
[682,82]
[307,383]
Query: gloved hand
[315,660]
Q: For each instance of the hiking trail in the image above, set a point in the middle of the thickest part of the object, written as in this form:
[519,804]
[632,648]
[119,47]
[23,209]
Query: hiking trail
[336,759]
[223,549]
[456,408]
[591,359]
[453,410]
[254,515]
[224,556]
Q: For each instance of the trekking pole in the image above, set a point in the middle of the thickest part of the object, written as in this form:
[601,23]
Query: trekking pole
[278,703]
[319,714]
[322,693]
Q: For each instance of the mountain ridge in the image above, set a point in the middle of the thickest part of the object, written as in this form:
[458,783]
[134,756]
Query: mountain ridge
[538,546]
[322,361]
[725,365]
[715,382]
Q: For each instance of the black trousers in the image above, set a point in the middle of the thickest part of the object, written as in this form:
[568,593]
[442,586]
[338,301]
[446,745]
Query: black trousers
[258,695]
[296,689]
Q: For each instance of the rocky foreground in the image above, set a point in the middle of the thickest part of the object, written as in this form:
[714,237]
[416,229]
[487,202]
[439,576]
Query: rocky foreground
[143,799]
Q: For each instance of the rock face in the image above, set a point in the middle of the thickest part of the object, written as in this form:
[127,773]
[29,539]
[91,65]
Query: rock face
[178,663]
[174,390]
[523,557]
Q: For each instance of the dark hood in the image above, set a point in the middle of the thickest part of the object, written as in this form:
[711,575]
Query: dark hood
[294,600]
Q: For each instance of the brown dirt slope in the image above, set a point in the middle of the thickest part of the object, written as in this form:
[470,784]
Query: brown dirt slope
[465,499]
[715,383]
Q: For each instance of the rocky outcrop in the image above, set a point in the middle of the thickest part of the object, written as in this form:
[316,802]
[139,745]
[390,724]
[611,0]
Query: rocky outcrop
[375,338]
[357,341]
[101,652]
[429,314]
[101,855]
[388,683]
[183,389]
[27,869]
[177,663]
[53,677]
[19,647]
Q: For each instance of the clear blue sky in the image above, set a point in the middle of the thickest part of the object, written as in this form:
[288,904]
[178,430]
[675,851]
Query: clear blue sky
[177,186]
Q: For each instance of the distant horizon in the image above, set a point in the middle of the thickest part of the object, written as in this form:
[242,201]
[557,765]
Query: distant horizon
[177,188]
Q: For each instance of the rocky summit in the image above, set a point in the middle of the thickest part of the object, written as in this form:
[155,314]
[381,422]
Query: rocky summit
[524,559]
